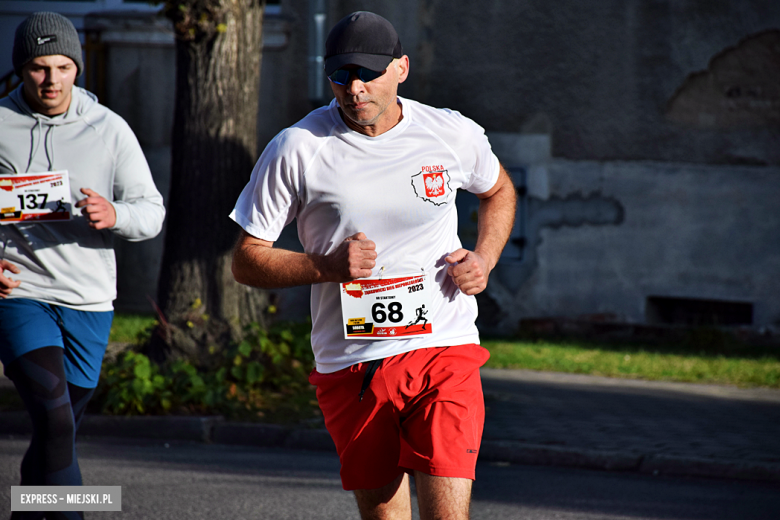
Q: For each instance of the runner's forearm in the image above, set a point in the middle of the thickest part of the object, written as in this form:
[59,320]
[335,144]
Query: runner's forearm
[496,218]
[257,263]
[272,268]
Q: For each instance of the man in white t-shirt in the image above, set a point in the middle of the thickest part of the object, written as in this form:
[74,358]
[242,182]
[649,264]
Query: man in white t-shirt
[372,180]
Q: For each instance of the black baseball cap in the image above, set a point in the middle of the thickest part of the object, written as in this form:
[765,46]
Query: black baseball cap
[364,39]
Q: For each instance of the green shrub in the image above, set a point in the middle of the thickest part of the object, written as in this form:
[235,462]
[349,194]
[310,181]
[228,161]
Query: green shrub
[267,370]
[129,384]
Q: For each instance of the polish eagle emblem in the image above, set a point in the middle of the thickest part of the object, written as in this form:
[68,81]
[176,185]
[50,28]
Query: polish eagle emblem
[432,187]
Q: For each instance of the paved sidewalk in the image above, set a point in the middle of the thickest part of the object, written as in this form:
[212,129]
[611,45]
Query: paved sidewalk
[554,419]
[675,428]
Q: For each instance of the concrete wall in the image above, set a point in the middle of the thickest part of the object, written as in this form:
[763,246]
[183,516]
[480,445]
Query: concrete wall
[645,132]
[603,237]
[648,131]
[685,231]
[602,74]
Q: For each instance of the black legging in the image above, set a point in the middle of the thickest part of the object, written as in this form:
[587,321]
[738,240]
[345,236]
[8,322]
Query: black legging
[56,408]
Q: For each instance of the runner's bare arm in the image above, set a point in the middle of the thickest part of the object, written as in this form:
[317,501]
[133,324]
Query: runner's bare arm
[257,263]
[470,269]
[7,284]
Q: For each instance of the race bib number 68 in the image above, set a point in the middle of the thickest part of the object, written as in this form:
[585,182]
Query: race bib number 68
[373,308]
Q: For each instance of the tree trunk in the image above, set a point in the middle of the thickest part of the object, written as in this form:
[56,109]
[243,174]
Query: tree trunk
[218,53]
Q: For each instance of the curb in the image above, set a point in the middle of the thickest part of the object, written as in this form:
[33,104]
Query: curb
[714,468]
[648,463]
[541,455]
[214,429]
[209,429]
[273,436]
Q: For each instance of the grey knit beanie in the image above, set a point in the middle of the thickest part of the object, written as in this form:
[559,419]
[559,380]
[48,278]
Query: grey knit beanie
[46,34]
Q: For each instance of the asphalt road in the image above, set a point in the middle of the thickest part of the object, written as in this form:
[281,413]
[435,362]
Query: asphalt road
[198,481]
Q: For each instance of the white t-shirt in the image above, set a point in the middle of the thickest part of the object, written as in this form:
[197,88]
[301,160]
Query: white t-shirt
[339,182]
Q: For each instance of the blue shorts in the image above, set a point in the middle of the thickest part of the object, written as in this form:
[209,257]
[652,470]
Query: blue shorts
[27,325]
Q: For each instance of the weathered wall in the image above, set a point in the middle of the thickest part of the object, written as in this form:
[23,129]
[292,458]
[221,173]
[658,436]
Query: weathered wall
[602,73]
[648,131]
[625,115]
[603,237]
[651,110]
[686,230]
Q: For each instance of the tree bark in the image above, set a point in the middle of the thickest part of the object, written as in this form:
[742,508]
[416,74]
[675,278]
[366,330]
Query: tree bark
[218,54]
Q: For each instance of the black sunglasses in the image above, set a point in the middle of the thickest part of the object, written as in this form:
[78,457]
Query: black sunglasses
[341,76]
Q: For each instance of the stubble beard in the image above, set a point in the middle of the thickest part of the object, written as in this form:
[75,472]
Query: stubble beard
[373,120]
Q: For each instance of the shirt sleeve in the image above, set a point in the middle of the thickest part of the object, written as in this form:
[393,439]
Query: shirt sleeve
[271,198]
[477,157]
[138,204]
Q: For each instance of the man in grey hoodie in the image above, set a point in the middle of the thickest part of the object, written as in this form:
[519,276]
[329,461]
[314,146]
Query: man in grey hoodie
[58,279]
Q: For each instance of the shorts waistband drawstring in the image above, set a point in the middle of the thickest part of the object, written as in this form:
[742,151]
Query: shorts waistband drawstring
[373,366]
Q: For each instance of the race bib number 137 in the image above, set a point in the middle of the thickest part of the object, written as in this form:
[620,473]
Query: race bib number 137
[35,197]
[386,308]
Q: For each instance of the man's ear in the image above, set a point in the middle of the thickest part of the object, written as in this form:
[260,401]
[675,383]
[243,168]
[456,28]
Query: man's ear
[403,68]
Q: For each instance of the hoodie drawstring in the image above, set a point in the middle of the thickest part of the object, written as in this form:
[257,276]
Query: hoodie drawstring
[48,146]
[33,143]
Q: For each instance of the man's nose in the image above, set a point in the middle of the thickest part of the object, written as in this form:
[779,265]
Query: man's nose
[52,76]
[354,85]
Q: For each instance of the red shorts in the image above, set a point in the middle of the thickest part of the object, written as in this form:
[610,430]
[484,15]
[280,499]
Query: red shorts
[424,411]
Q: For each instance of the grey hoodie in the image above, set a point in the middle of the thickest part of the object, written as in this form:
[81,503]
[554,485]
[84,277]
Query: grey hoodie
[68,263]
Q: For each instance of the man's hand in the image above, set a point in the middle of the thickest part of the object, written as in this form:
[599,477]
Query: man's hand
[99,211]
[6,284]
[468,270]
[354,258]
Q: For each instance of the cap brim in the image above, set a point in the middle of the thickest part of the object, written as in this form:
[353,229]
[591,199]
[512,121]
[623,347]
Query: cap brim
[376,62]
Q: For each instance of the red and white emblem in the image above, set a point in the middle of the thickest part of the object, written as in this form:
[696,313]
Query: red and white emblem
[432,186]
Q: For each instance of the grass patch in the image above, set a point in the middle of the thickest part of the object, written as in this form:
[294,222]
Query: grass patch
[726,363]
[129,328]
